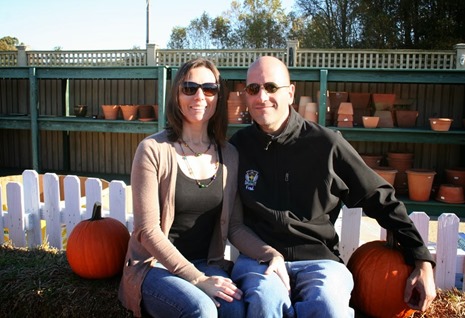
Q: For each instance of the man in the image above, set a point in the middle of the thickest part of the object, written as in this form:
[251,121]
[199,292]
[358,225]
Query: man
[293,177]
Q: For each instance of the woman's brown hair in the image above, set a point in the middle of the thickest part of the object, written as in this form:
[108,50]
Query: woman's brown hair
[217,125]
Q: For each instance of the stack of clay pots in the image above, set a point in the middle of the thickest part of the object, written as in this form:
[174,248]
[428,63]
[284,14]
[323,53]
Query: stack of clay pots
[400,161]
[237,109]
[345,115]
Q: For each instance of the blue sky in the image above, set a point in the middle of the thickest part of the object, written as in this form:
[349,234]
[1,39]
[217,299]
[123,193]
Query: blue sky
[100,24]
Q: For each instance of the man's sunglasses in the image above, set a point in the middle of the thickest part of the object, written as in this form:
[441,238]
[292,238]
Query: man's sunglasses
[209,89]
[270,88]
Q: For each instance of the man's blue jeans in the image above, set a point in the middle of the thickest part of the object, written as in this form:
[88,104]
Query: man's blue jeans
[318,289]
[167,295]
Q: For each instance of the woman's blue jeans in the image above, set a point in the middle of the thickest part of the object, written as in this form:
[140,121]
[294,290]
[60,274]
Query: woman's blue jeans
[166,295]
[319,288]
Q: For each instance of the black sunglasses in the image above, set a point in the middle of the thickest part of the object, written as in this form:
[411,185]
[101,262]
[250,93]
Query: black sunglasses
[209,89]
[270,88]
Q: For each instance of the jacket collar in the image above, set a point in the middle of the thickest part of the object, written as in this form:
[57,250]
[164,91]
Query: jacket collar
[290,133]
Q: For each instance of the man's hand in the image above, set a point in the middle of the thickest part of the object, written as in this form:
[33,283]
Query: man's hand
[277,266]
[420,289]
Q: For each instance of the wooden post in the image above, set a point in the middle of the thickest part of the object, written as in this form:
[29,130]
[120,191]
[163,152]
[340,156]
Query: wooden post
[460,49]
[22,56]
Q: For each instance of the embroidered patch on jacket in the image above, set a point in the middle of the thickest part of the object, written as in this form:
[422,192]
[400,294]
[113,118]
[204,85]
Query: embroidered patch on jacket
[251,177]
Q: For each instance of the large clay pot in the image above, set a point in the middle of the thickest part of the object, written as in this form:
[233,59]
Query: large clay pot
[420,183]
[110,111]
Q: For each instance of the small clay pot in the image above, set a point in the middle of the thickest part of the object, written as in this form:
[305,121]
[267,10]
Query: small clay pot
[80,110]
[370,121]
[110,111]
[440,124]
[345,108]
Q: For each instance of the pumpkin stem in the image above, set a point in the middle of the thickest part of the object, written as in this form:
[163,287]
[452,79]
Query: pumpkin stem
[391,241]
[97,212]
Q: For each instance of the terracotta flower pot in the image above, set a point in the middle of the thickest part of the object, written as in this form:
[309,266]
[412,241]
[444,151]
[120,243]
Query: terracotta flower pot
[383,101]
[406,118]
[80,110]
[359,100]
[456,176]
[401,161]
[385,118]
[110,111]
[345,108]
[372,160]
[129,111]
[370,121]
[420,183]
[237,110]
[387,173]
[155,111]
[146,111]
[336,98]
[303,101]
[440,124]
[450,193]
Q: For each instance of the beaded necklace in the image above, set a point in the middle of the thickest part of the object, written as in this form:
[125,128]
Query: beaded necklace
[189,168]
[197,154]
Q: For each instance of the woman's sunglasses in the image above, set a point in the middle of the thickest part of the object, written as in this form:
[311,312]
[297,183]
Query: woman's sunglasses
[209,89]
[270,88]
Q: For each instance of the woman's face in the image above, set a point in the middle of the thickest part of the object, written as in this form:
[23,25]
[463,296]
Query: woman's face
[199,107]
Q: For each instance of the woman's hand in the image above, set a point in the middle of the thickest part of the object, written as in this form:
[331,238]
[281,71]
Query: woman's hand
[217,286]
[278,266]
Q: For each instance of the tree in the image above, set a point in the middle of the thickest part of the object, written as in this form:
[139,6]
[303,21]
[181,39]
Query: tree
[263,24]
[199,32]
[178,38]
[8,43]
[253,23]
[331,23]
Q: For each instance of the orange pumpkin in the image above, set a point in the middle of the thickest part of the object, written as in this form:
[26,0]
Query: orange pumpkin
[380,274]
[97,247]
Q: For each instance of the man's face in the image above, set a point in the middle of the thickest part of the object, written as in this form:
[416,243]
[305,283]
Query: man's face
[269,109]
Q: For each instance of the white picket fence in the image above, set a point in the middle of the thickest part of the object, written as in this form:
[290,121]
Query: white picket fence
[25,215]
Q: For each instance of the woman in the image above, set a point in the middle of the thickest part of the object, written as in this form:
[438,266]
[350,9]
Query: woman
[184,191]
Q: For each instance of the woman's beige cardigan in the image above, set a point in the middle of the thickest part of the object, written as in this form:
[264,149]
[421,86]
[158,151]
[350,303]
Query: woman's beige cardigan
[153,180]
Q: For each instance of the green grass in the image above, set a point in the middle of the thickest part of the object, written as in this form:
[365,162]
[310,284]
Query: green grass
[39,283]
